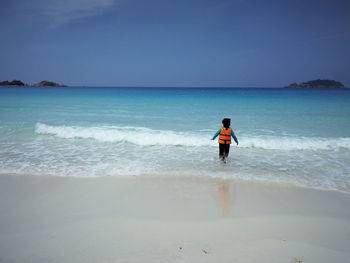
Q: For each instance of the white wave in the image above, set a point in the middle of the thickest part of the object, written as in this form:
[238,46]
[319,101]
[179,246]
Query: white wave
[145,137]
[295,143]
[137,135]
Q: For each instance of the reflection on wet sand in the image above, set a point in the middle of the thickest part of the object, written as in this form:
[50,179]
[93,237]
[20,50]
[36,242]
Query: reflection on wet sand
[224,196]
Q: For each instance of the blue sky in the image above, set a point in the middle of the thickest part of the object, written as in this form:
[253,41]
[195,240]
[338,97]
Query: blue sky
[221,43]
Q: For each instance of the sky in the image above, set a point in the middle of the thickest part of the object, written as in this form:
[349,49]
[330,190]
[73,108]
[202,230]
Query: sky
[175,43]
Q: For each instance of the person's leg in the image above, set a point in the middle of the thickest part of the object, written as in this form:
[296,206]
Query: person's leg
[221,150]
[227,150]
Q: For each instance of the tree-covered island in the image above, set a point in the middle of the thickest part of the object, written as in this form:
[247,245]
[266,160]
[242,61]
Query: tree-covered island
[318,84]
[43,83]
[12,83]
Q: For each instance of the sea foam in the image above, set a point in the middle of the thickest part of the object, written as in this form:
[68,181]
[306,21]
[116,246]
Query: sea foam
[136,135]
[147,137]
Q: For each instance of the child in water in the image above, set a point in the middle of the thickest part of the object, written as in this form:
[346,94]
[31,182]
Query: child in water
[225,133]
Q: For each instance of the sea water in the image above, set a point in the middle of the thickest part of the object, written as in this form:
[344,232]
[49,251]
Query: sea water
[295,136]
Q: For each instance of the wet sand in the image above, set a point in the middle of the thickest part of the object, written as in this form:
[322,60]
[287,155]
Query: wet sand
[160,219]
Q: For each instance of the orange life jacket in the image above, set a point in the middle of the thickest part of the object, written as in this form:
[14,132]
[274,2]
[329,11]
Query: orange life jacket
[225,136]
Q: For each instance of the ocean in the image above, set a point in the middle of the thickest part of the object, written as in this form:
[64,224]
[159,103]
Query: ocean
[292,136]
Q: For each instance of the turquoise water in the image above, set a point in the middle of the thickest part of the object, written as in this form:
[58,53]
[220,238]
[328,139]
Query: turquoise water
[300,137]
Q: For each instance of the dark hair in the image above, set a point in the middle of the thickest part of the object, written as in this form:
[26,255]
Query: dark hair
[226,122]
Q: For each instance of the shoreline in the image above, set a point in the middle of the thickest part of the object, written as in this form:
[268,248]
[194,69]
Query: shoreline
[163,219]
[187,177]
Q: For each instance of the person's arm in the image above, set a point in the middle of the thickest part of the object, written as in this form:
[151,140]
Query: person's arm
[216,134]
[234,136]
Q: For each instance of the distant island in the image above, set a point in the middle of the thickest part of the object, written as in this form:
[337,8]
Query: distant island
[43,83]
[318,84]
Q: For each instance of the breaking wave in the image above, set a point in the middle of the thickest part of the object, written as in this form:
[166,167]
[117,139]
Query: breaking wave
[147,137]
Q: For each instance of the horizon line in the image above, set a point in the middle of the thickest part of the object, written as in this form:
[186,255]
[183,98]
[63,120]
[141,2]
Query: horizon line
[165,87]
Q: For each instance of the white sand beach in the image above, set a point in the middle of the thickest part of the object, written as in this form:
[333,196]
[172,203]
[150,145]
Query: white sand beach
[177,219]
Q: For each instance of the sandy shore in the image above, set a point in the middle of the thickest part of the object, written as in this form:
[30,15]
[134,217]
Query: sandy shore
[158,219]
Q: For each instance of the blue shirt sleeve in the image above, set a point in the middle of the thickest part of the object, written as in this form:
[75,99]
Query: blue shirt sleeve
[234,136]
[216,134]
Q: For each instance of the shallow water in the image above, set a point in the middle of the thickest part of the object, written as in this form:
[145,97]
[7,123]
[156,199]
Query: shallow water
[290,136]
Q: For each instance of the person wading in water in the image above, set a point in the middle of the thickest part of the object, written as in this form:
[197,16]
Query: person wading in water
[225,133]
